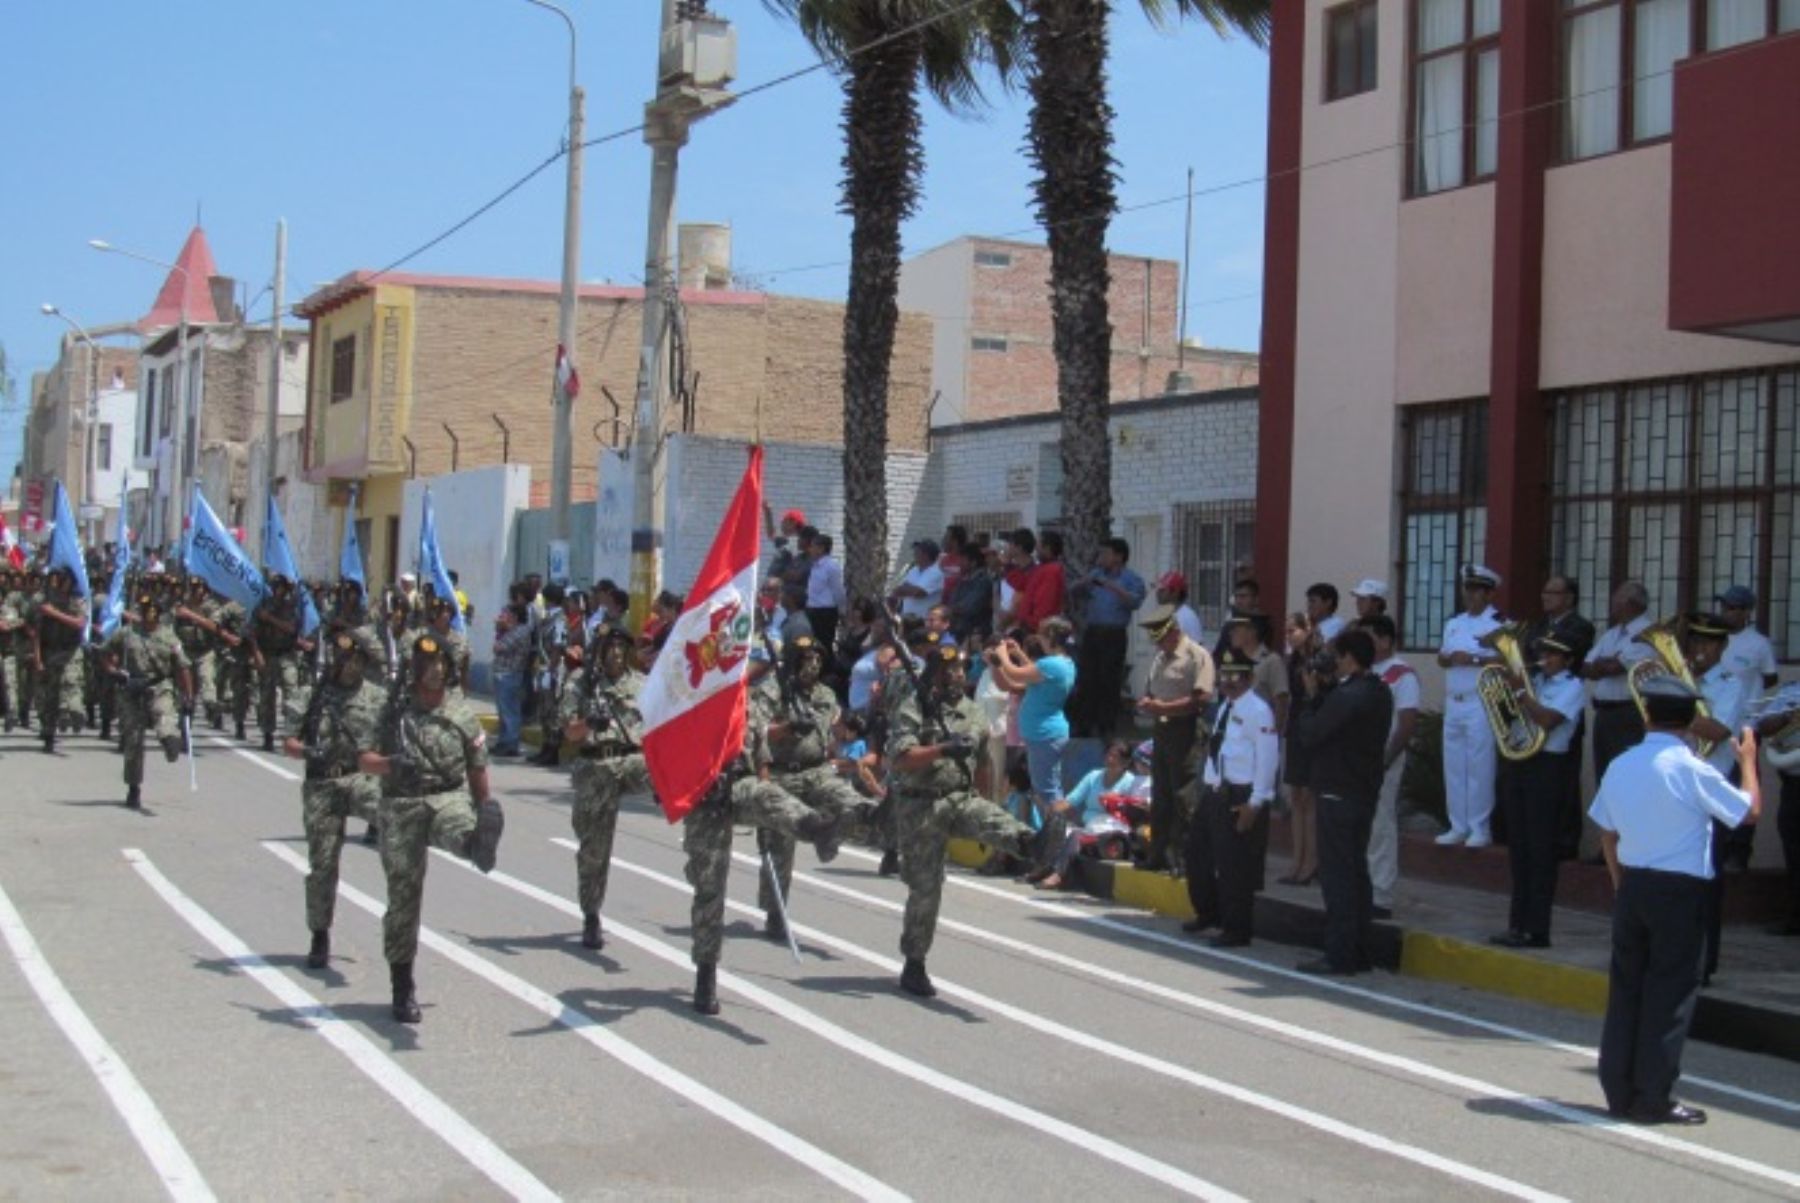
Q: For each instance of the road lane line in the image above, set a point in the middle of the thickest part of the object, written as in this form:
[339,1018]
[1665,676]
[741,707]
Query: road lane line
[590,1029]
[1393,1061]
[253,758]
[1192,950]
[1074,1036]
[180,1176]
[817,1025]
[419,1102]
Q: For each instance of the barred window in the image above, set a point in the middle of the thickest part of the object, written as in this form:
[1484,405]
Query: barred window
[1214,542]
[1443,512]
[992,523]
[1689,485]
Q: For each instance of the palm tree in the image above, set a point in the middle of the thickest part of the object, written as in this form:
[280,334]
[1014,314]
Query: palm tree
[887,49]
[1070,142]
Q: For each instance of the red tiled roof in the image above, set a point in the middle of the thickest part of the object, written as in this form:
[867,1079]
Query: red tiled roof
[196,260]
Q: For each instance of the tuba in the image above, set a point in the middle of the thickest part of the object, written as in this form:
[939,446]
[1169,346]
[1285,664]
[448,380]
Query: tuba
[1665,638]
[1519,736]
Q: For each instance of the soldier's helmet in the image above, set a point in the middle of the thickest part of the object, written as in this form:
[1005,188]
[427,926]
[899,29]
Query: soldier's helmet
[356,644]
[427,652]
[59,575]
[280,582]
[149,609]
[802,648]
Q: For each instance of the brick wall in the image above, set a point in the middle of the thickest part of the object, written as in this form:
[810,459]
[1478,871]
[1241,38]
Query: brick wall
[54,443]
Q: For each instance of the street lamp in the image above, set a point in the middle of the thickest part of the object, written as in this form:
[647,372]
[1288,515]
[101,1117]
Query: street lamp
[181,388]
[93,405]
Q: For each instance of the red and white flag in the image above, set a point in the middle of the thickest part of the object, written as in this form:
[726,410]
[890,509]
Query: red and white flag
[567,378]
[694,702]
[13,553]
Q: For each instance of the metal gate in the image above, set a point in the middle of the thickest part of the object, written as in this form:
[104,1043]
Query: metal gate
[531,544]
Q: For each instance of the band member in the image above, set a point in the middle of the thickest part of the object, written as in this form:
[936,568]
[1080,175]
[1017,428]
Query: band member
[600,720]
[1562,621]
[1468,741]
[1655,809]
[1617,724]
[1534,792]
[1239,778]
[151,665]
[1723,694]
[1751,658]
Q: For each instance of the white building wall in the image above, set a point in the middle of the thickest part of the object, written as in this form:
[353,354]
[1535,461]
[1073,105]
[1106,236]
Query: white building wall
[940,282]
[314,529]
[476,511]
[117,409]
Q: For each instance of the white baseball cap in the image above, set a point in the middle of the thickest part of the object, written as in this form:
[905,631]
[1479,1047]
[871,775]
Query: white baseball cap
[1370,587]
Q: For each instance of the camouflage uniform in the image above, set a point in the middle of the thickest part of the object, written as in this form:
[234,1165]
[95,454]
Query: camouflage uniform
[610,765]
[284,669]
[232,668]
[801,765]
[197,642]
[424,806]
[936,802]
[347,722]
[13,654]
[58,702]
[152,660]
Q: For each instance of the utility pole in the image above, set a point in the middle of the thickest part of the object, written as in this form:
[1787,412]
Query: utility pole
[272,423]
[696,61]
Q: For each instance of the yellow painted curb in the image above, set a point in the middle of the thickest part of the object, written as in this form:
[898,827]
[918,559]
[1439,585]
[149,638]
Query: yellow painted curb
[1445,959]
[1157,892]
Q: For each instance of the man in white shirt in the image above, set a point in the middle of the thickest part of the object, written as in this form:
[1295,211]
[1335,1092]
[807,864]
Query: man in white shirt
[1723,695]
[1553,700]
[1469,753]
[1617,724]
[1172,590]
[1384,836]
[826,599]
[1230,836]
[923,585]
[1748,654]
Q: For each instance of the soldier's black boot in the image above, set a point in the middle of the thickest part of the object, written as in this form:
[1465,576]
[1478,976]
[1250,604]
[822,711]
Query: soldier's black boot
[406,1002]
[775,927]
[914,979]
[550,755]
[90,714]
[890,863]
[9,721]
[172,748]
[268,741]
[134,797]
[706,990]
[216,717]
[320,952]
[106,726]
[822,832]
[372,836]
[49,737]
[590,932]
[484,842]
[238,731]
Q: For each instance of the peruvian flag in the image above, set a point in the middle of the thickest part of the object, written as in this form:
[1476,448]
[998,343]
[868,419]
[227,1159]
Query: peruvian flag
[567,378]
[15,556]
[694,702]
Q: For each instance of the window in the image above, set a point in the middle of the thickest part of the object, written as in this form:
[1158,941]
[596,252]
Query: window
[103,447]
[1688,485]
[992,523]
[1214,543]
[1049,485]
[1443,512]
[167,421]
[1350,49]
[343,368]
[1455,92]
[993,259]
[147,431]
[988,342]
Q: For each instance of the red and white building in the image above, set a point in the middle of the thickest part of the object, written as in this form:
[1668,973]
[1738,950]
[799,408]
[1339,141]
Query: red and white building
[1532,298]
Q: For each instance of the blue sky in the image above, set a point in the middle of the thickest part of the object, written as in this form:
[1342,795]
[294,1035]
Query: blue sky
[372,126]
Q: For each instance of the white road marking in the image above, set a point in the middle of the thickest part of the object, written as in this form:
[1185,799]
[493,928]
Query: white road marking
[815,1024]
[1190,949]
[253,758]
[180,1176]
[419,1102]
[590,1029]
[1306,1035]
[1062,1032]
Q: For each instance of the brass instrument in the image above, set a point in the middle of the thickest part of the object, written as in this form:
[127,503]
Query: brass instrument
[1666,638]
[1783,747]
[1519,736]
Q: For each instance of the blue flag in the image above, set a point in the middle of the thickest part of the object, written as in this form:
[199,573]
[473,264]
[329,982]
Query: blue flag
[115,595]
[278,557]
[431,562]
[350,566]
[65,543]
[215,557]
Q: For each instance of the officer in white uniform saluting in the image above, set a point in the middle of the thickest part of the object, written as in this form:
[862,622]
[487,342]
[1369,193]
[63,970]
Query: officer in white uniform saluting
[1655,809]
[1469,756]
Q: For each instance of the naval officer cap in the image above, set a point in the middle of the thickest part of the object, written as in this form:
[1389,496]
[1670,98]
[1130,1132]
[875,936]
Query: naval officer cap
[1481,575]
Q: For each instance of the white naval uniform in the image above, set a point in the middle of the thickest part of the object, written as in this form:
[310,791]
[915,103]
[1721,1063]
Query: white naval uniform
[1469,752]
[1724,694]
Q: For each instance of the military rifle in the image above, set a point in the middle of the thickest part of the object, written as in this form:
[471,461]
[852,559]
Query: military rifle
[929,709]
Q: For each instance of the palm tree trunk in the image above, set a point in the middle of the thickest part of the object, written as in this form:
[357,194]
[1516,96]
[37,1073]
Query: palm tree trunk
[1071,142]
[883,161]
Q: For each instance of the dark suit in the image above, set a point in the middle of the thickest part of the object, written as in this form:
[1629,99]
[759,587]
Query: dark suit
[1344,731]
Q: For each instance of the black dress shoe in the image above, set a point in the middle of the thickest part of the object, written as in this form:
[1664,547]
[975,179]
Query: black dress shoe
[1322,967]
[1508,939]
[1200,923]
[1381,912]
[1674,1113]
[1226,941]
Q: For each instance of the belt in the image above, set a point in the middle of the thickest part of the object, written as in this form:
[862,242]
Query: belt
[1600,705]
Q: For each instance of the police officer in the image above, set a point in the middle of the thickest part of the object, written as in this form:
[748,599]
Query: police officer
[1533,792]
[340,719]
[1655,809]
[935,735]
[149,663]
[799,730]
[56,621]
[600,720]
[434,794]
[1230,835]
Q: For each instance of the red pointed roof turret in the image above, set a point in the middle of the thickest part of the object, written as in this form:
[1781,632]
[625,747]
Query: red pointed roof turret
[196,260]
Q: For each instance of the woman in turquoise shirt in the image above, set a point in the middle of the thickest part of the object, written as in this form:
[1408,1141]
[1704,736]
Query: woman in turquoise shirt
[1044,670]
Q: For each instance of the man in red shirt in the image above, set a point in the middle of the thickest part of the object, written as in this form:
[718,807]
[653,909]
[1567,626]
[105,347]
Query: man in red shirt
[1043,592]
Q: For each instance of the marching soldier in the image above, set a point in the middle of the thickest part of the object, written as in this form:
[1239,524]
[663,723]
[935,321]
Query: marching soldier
[235,670]
[799,734]
[934,734]
[600,719]
[31,588]
[1533,792]
[1238,781]
[99,692]
[193,624]
[434,794]
[56,622]
[279,655]
[148,662]
[12,625]
[342,717]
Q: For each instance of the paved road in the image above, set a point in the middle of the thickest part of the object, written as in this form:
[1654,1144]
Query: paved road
[164,1036]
